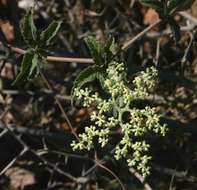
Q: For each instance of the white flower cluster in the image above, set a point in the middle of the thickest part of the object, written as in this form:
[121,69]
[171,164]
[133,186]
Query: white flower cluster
[117,112]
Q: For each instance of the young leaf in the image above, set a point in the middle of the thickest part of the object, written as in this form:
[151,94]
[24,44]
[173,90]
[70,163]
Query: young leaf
[25,67]
[175,28]
[155,4]
[47,36]
[111,46]
[87,75]
[96,50]
[28,29]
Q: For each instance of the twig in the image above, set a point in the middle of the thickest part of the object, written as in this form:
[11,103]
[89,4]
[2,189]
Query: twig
[13,161]
[27,148]
[140,178]
[55,58]
[54,167]
[60,106]
[22,130]
[178,174]
[32,93]
[168,31]
[98,163]
[157,52]
[125,46]
[2,65]
[189,17]
[3,132]
[128,44]
[185,56]
[69,59]
[62,153]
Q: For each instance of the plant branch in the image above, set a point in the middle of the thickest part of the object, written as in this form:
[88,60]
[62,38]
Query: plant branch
[27,148]
[128,43]
[55,58]
[98,163]
[124,47]
[140,178]
[60,106]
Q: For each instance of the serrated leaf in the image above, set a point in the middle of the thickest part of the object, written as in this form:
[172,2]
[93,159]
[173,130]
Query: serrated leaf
[101,79]
[48,35]
[179,5]
[154,4]
[35,67]
[30,67]
[28,29]
[110,51]
[87,75]
[111,46]
[25,67]
[175,28]
[96,50]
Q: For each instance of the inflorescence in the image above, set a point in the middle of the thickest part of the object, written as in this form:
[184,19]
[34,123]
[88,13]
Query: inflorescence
[118,112]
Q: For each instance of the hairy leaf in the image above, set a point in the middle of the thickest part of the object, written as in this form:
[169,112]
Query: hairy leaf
[96,50]
[28,29]
[111,46]
[35,67]
[110,50]
[175,28]
[25,67]
[30,67]
[87,75]
[48,35]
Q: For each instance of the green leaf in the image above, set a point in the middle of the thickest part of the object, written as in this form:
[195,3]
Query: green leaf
[111,46]
[96,50]
[173,4]
[87,75]
[101,77]
[179,5]
[25,67]
[28,29]
[29,68]
[110,49]
[175,28]
[155,4]
[48,35]
[35,67]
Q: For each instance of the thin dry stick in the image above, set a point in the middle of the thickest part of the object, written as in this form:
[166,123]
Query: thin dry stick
[98,163]
[27,148]
[60,106]
[188,17]
[69,59]
[127,44]
[3,133]
[21,51]
[140,178]
[55,58]
[13,161]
